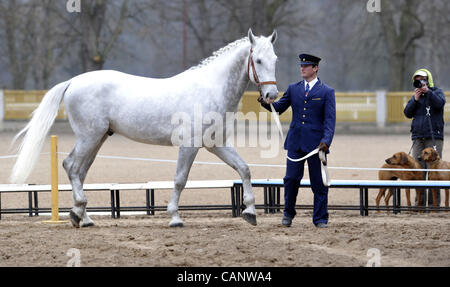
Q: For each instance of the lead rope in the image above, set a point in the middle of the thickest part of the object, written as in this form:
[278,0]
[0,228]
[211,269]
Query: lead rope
[428,115]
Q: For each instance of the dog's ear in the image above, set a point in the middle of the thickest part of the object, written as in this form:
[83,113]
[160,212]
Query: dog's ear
[435,155]
[404,159]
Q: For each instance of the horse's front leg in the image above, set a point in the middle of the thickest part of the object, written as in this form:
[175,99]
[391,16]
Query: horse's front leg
[231,157]
[186,156]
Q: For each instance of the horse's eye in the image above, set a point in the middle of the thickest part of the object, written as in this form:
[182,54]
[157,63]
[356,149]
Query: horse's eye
[258,61]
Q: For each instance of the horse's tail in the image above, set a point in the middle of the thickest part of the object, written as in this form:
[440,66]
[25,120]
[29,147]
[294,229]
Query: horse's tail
[35,133]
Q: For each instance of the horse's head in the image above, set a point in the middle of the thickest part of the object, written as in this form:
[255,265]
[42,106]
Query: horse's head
[262,65]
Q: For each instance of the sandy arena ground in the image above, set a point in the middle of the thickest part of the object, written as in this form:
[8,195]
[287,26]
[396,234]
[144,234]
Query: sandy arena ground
[214,238]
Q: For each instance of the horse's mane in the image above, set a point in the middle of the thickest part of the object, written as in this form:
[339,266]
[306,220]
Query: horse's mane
[220,52]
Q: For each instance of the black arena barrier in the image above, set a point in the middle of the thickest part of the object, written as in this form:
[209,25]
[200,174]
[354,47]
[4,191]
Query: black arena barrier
[271,189]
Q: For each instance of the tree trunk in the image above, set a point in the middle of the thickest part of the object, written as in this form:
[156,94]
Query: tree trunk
[92,17]
[409,29]
[95,45]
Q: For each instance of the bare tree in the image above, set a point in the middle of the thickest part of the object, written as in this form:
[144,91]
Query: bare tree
[400,36]
[36,40]
[50,39]
[17,18]
[97,32]
[433,49]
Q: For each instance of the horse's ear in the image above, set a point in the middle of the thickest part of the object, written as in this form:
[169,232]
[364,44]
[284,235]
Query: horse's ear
[273,37]
[251,37]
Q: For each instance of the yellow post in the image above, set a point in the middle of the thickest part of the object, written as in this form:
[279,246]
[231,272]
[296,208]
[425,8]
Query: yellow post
[54,166]
[54,180]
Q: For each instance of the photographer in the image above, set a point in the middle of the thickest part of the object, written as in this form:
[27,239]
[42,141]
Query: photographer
[426,108]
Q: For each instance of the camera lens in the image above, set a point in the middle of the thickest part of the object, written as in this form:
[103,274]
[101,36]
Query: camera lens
[418,84]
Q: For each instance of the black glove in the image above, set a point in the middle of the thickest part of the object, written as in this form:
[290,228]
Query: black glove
[261,100]
[323,147]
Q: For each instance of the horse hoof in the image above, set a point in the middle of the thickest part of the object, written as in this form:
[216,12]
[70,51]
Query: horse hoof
[87,224]
[75,219]
[176,224]
[250,218]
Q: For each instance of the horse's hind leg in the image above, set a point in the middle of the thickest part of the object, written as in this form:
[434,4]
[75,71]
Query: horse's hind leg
[76,166]
[86,221]
[186,156]
[231,157]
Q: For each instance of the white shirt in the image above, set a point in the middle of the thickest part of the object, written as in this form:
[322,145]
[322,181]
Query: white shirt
[311,84]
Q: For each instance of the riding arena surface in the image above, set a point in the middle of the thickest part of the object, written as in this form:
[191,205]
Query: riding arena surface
[214,238]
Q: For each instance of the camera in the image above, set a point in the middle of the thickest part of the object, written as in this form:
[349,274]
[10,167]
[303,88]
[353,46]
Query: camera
[419,83]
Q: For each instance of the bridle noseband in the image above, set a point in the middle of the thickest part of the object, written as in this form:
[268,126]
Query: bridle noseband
[255,75]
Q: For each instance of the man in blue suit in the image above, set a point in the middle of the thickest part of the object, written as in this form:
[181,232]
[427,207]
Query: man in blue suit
[313,123]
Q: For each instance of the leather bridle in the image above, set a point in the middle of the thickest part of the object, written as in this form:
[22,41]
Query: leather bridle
[255,75]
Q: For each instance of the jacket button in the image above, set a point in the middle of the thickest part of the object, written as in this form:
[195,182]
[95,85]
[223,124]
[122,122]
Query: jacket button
[304,116]
[303,123]
[304,109]
[305,102]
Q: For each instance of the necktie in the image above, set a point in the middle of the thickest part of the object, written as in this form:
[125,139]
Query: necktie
[306,90]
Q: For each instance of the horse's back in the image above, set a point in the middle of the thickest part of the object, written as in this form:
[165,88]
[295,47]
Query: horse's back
[137,107]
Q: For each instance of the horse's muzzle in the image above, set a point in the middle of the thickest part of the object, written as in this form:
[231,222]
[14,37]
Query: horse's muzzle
[271,95]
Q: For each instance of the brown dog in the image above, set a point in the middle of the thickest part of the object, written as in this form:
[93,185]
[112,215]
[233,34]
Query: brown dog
[431,156]
[399,160]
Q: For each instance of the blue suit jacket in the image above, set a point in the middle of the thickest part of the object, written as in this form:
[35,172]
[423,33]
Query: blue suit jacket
[313,117]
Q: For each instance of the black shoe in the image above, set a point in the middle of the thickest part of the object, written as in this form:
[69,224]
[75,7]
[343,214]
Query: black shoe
[286,221]
[322,225]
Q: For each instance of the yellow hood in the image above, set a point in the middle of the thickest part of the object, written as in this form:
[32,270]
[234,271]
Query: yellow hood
[430,77]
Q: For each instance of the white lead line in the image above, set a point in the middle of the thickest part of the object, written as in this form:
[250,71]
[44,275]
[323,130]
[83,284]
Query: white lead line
[7,156]
[277,121]
[250,164]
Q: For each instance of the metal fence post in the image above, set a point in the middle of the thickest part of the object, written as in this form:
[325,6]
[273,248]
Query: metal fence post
[394,200]
[118,203]
[361,201]
[233,203]
[113,204]
[152,200]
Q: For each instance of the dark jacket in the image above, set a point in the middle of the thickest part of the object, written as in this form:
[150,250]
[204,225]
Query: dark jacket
[313,117]
[420,127]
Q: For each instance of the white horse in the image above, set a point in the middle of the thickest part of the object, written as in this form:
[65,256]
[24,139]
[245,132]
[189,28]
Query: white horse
[101,103]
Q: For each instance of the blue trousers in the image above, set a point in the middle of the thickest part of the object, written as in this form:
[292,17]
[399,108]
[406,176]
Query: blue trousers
[294,174]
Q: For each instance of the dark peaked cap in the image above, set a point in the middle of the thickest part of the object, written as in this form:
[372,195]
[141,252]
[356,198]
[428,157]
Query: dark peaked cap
[306,59]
